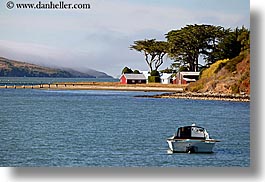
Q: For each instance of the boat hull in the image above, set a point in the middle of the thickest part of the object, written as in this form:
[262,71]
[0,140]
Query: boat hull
[191,146]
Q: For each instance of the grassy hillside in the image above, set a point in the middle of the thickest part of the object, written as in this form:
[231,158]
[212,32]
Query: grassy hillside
[12,68]
[19,69]
[225,76]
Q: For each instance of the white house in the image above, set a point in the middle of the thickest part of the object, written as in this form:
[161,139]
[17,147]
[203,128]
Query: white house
[166,78]
[146,74]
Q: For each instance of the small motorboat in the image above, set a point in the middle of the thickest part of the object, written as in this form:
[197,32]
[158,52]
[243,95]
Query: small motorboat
[191,139]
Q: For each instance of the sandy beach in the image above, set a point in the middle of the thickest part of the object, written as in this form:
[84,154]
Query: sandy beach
[102,86]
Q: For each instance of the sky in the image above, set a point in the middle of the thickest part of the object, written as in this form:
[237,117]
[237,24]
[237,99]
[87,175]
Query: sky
[99,38]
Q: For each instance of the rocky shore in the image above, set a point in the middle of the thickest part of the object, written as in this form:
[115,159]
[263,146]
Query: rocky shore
[204,96]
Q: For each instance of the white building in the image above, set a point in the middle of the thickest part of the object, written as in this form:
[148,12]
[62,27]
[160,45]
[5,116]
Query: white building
[166,78]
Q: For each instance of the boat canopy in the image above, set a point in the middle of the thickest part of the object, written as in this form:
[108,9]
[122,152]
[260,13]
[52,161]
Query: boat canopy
[191,132]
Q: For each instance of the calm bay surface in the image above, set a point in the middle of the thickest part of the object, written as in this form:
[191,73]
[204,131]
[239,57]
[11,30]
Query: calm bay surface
[19,81]
[115,129]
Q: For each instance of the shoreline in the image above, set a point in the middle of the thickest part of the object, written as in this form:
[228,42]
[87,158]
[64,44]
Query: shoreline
[203,96]
[172,91]
[115,86]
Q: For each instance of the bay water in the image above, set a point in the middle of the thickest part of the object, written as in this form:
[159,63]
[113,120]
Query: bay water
[115,129]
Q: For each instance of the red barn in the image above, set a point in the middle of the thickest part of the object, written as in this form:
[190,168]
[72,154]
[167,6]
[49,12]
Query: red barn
[132,78]
[185,77]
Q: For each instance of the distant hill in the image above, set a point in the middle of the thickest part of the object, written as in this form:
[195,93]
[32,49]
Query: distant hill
[12,68]
[82,73]
[229,76]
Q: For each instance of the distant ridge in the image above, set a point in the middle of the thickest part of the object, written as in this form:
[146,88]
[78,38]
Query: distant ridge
[13,68]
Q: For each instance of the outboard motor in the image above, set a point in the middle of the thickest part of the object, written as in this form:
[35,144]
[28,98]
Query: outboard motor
[191,149]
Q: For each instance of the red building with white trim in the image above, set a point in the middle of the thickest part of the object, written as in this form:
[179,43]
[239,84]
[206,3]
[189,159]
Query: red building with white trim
[132,79]
[185,77]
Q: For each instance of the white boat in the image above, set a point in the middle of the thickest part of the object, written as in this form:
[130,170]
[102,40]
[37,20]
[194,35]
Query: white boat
[191,139]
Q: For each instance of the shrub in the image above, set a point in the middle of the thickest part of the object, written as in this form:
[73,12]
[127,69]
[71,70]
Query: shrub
[183,68]
[126,70]
[155,73]
[214,68]
[196,86]
[154,79]
[219,67]
[235,89]
[244,77]
[136,72]
[231,65]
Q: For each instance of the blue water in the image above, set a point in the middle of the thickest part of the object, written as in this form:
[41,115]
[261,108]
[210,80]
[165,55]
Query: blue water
[111,128]
[48,80]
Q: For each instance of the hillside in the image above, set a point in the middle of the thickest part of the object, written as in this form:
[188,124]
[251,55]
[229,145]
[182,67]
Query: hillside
[12,68]
[225,76]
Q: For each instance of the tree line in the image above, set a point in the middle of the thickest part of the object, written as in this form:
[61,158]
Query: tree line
[186,45]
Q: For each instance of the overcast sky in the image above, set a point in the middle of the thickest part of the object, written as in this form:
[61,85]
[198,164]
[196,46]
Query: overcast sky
[99,38]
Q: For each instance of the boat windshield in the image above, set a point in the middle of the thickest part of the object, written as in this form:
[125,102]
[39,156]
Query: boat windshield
[190,132]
